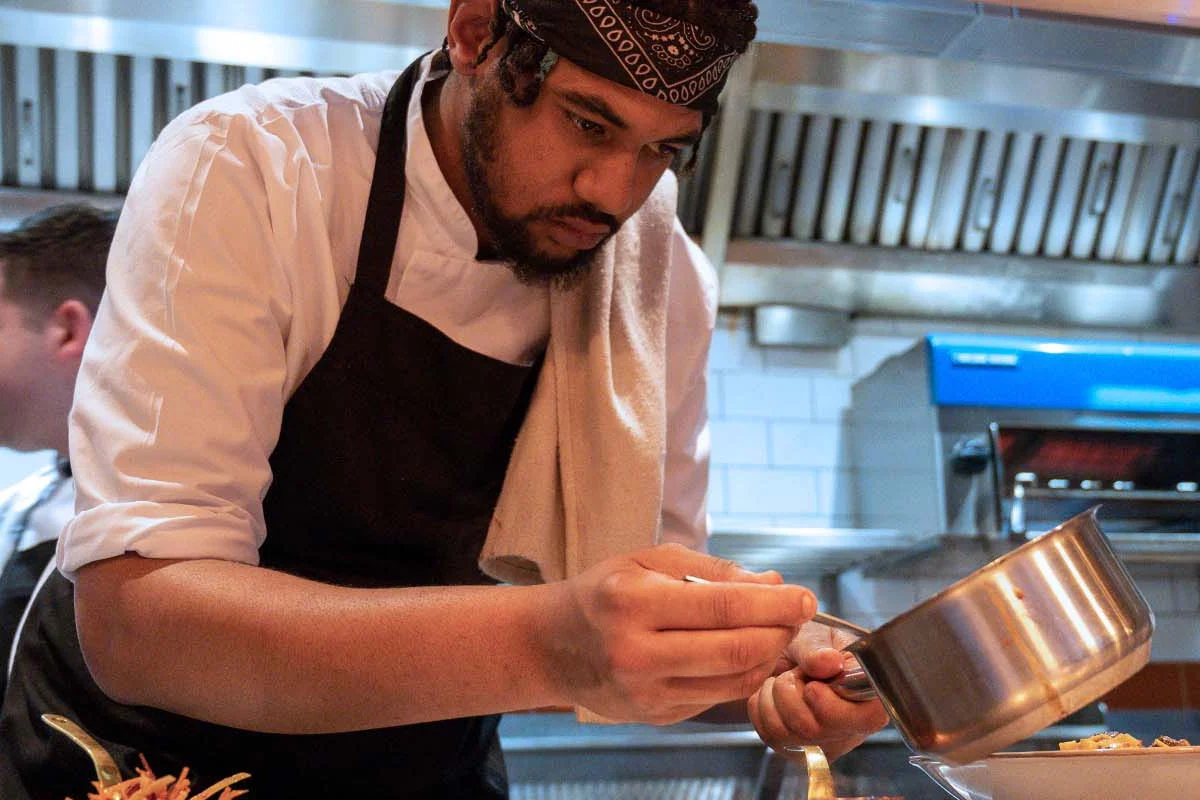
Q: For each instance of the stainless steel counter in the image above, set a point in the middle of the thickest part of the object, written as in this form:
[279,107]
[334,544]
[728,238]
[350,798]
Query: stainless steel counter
[552,755]
[805,554]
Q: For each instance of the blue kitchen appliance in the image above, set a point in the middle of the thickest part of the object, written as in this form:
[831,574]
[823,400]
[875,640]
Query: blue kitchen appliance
[1002,435]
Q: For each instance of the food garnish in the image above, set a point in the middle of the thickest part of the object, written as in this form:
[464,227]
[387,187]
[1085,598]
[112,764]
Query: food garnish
[147,786]
[1112,740]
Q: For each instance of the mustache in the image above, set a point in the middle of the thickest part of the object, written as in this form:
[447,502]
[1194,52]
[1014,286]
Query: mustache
[584,211]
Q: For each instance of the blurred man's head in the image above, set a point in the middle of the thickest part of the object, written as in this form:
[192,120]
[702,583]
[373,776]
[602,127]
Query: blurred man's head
[576,109]
[51,280]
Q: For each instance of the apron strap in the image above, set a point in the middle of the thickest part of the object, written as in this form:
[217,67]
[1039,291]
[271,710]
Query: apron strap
[385,203]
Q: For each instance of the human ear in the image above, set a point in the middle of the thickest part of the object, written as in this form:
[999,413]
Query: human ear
[468,33]
[68,328]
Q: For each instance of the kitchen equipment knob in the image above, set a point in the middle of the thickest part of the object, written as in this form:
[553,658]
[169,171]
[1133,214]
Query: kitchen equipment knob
[970,455]
[1016,514]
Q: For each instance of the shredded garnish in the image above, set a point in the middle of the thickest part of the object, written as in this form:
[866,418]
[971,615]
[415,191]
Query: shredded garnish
[148,786]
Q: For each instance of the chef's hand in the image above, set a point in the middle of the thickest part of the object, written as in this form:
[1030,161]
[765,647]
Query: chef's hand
[634,642]
[794,706]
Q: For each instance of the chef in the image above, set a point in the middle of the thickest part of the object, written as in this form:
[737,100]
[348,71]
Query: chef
[349,323]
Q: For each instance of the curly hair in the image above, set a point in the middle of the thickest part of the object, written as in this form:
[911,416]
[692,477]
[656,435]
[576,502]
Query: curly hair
[55,255]
[524,65]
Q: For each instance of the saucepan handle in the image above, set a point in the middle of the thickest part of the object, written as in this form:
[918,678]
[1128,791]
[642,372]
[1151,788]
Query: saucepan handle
[854,685]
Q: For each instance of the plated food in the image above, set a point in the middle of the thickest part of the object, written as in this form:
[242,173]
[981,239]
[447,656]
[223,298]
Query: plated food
[1112,740]
[147,786]
[1106,766]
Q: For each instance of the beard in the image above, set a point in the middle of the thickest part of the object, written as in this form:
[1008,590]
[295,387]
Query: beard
[512,237]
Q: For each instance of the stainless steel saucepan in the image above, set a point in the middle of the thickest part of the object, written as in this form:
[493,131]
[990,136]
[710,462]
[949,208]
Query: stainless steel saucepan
[1015,646]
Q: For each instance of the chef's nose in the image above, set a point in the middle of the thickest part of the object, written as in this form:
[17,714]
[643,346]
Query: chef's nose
[609,183]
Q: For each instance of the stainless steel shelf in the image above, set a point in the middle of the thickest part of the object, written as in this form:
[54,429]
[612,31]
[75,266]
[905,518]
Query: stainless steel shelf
[805,554]
[814,552]
[1157,548]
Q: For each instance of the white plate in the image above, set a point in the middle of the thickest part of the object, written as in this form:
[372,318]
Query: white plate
[1148,773]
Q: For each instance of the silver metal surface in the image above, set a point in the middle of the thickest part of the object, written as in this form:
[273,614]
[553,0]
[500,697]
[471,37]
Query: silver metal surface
[1097,194]
[898,192]
[818,134]
[730,788]
[1174,206]
[804,555]
[873,90]
[926,192]
[1147,192]
[985,193]
[29,118]
[781,175]
[753,175]
[1066,198]
[1189,237]
[1012,195]
[352,36]
[1013,647]
[795,326]
[16,204]
[962,30]
[947,219]
[864,217]
[1112,228]
[726,166]
[935,91]
[961,286]
[66,119]
[840,184]
[1036,212]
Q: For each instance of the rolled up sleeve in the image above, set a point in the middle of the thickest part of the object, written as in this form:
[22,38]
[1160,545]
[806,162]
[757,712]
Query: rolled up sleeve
[194,351]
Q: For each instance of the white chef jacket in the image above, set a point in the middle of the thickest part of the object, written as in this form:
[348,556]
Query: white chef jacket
[30,516]
[233,257]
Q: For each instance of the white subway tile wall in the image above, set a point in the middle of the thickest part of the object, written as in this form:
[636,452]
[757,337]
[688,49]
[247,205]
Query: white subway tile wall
[780,458]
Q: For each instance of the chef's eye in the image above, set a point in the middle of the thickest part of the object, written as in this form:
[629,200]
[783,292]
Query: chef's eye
[593,130]
[667,152]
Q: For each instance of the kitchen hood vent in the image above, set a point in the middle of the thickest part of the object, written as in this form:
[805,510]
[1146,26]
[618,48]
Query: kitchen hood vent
[933,158]
[911,186]
[849,180]
[77,121]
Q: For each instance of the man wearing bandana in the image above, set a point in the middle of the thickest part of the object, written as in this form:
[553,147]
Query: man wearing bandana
[371,346]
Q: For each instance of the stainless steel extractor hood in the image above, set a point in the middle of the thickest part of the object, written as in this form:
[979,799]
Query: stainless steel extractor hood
[924,157]
[895,184]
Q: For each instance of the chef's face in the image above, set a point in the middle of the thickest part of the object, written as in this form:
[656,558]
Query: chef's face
[24,353]
[552,182]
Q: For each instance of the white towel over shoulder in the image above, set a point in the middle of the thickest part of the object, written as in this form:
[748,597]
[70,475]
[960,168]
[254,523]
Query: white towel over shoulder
[586,477]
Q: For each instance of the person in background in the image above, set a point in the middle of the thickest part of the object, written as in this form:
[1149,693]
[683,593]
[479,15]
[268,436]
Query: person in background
[51,279]
[369,346]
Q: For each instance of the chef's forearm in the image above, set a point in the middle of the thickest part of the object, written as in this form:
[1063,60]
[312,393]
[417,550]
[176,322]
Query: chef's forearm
[255,649]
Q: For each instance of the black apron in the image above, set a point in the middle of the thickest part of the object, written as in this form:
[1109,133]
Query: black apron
[387,471]
[22,571]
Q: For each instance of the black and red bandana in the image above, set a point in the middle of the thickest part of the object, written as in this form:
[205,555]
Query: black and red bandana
[658,55]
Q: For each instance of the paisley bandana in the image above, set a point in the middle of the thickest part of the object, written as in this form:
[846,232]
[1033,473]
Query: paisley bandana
[659,55]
